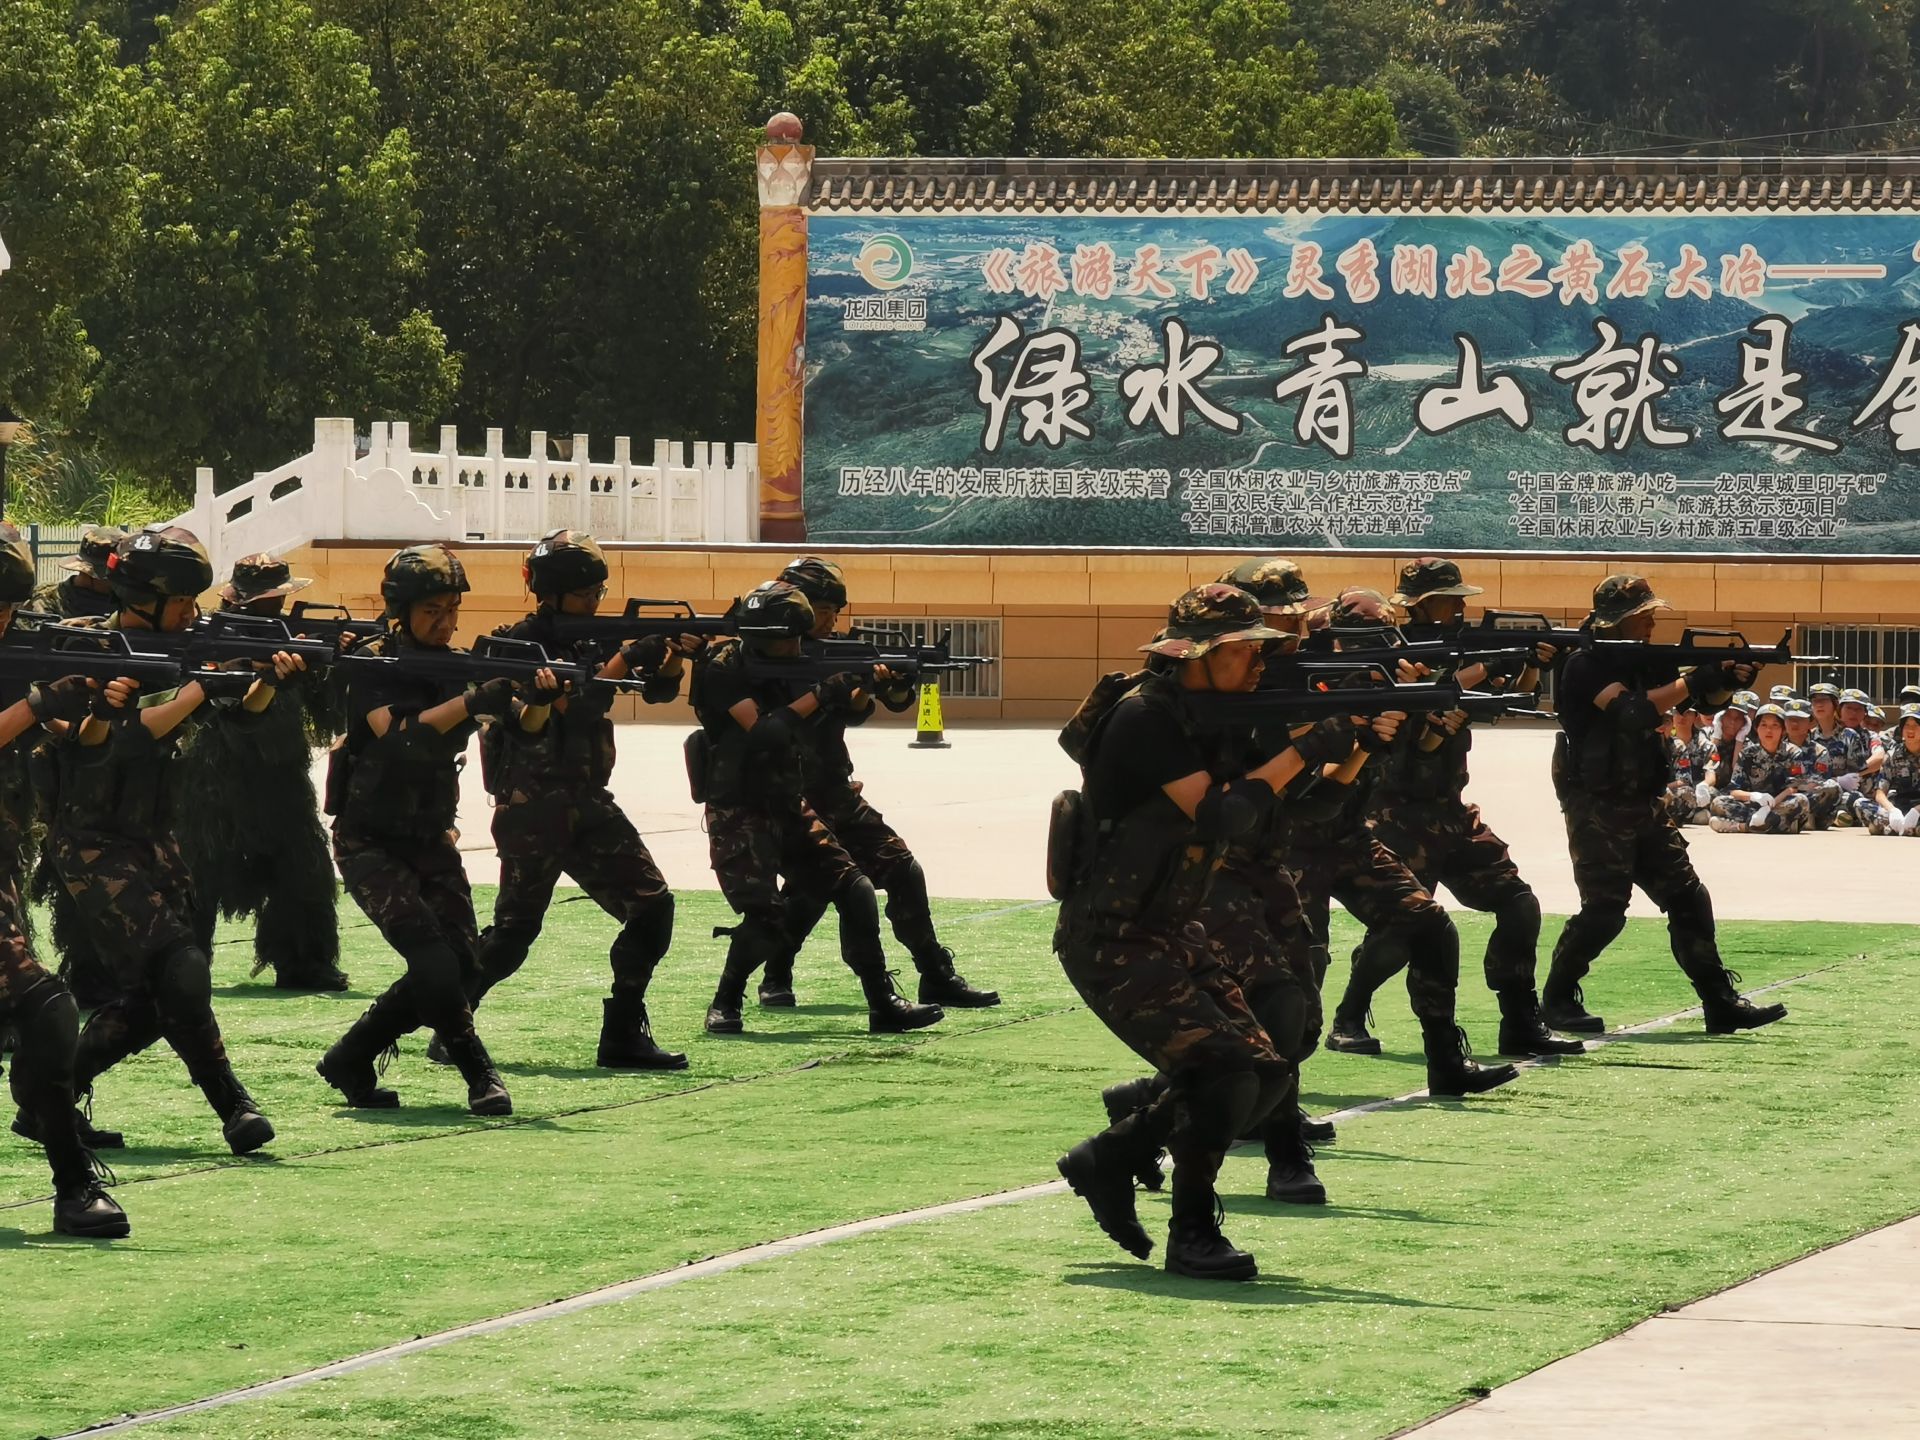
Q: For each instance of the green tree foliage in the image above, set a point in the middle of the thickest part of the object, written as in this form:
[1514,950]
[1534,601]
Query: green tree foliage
[66,198]
[277,259]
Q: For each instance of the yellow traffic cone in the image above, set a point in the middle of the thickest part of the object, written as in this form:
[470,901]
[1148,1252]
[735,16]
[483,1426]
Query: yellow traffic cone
[929,732]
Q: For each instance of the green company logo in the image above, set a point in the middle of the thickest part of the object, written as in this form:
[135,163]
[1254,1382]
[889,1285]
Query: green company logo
[885,262]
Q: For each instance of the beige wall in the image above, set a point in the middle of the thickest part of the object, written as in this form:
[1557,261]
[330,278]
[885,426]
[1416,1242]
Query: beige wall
[1067,618]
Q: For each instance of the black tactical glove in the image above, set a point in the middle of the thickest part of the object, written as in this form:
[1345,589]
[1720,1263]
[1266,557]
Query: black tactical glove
[67,699]
[836,691]
[492,699]
[217,684]
[646,654]
[538,694]
[1329,742]
[1711,684]
[1369,739]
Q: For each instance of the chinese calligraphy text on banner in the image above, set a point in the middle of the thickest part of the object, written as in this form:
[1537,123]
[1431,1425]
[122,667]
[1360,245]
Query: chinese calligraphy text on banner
[1581,382]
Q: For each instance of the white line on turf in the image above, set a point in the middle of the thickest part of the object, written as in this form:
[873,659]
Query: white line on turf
[736,1259]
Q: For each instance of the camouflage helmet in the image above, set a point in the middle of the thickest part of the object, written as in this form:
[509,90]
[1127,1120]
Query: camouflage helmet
[1276,583]
[1744,701]
[774,610]
[420,572]
[260,577]
[161,562]
[819,580]
[1430,576]
[96,546]
[17,577]
[1208,616]
[1824,690]
[564,560]
[1359,607]
[1620,597]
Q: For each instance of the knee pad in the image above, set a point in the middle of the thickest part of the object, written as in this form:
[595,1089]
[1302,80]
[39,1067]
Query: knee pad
[1597,925]
[48,1022]
[859,907]
[648,932]
[1216,1106]
[1521,914]
[905,883]
[1691,906]
[183,982]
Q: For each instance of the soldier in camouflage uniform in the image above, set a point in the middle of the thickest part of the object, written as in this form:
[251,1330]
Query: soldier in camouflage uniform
[1823,792]
[113,841]
[1336,856]
[553,813]
[840,801]
[1850,755]
[1766,794]
[1690,746]
[393,790]
[256,847]
[1419,812]
[1609,770]
[84,593]
[1897,783]
[759,829]
[34,1005]
[1161,805]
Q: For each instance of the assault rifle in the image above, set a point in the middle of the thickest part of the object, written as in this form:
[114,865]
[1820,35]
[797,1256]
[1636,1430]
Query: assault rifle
[1481,706]
[640,619]
[53,652]
[821,660]
[1315,693]
[936,657]
[1711,647]
[493,657]
[228,635]
[1441,651]
[312,620]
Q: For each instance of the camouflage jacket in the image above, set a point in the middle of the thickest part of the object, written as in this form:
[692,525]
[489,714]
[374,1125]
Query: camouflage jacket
[1769,774]
[1900,777]
[1691,758]
[1849,751]
[66,599]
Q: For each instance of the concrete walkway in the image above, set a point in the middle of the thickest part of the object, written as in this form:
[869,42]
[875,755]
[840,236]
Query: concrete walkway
[1828,1346]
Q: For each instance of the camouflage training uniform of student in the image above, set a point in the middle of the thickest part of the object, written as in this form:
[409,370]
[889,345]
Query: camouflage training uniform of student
[256,847]
[1774,774]
[1609,771]
[1131,941]
[1691,760]
[393,797]
[840,802]
[759,830]
[1419,811]
[1823,792]
[1899,779]
[1849,752]
[114,842]
[35,1005]
[554,814]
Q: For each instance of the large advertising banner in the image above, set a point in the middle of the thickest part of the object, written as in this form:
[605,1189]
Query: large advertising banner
[1601,382]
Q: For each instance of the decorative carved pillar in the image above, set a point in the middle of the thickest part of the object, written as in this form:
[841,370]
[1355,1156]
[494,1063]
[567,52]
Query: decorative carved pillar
[785,169]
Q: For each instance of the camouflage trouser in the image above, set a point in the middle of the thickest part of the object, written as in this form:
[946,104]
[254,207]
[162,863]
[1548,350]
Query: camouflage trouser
[883,857]
[41,1012]
[1166,997]
[415,892]
[1682,804]
[753,850]
[1853,807]
[1446,843]
[1258,933]
[1823,802]
[1788,815]
[583,833]
[1406,927]
[136,902]
[1616,845]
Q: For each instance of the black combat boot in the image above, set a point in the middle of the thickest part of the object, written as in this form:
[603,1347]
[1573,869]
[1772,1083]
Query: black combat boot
[1727,1010]
[241,1122]
[81,1205]
[1348,1033]
[1195,1246]
[1315,1132]
[1290,1177]
[723,1013]
[776,985]
[941,984]
[1132,1097]
[290,977]
[486,1092]
[1523,1032]
[1100,1172]
[350,1065]
[1451,1072]
[27,1127]
[889,1012]
[626,1037]
[1563,1007]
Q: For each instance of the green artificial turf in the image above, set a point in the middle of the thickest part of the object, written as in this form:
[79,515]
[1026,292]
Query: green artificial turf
[1467,1243]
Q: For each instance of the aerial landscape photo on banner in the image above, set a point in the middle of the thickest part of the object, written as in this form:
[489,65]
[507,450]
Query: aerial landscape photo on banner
[1673,382]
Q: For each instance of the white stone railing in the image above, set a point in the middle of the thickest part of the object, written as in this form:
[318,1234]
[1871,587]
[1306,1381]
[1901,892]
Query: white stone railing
[392,491]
